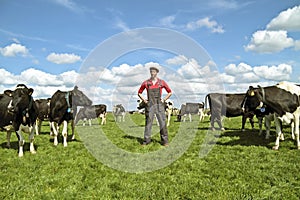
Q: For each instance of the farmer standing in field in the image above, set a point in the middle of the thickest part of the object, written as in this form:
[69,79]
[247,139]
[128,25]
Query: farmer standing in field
[155,105]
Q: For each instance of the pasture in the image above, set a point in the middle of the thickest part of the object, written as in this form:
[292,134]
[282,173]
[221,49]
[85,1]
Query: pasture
[240,165]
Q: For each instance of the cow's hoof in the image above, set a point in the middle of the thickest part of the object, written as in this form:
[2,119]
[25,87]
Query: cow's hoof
[298,147]
[20,155]
[222,129]
[243,130]
[33,152]
[276,147]
[65,145]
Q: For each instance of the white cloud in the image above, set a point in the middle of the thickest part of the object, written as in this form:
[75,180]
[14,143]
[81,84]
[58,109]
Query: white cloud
[63,58]
[297,45]
[37,77]
[168,21]
[177,60]
[286,20]
[13,50]
[277,73]
[206,22]
[233,69]
[7,78]
[269,41]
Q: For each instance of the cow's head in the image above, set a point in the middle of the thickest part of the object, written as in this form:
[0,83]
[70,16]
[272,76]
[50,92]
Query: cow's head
[141,105]
[79,98]
[21,99]
[253,99]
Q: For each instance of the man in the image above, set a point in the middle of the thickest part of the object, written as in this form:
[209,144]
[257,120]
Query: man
[155,105]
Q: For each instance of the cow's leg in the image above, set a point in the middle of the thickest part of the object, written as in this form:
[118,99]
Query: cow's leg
[296,127]
[184,116]
[251,121]
[260,122]
[190,116]
[8,135]
[268,126]
[169,117]
[31,139]
[54,128]
[90,122]
[244,118]
[65,133]
[84,121]
[293,129]
[278,133]
[73,129]
[38,126]
[21,141]
[212,122]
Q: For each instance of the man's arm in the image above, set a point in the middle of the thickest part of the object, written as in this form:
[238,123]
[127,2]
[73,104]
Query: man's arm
[142,97]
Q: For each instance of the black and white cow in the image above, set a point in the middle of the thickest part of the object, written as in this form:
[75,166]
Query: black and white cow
[91,112]
[228,105]
[63,107]
[119,113]
[283,99]
[191,109]
[18,113]
[43,107]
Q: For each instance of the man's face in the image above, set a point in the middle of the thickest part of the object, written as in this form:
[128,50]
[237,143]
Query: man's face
[153,73]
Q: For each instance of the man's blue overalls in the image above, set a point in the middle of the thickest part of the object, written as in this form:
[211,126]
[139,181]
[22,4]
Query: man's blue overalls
[155,106]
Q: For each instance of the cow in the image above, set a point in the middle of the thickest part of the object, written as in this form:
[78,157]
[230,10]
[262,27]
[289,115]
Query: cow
[18,113]
[119,113]
[283,99]
[191,109]
[63,107]
[91,112]
[43,106]
[228,105]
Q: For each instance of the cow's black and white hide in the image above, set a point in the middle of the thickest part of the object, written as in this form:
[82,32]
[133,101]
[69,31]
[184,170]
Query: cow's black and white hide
[43,107]
[119,113]
[189,109]
[228,105]
[283,99]
[91,112]
[18,113]
[63,108]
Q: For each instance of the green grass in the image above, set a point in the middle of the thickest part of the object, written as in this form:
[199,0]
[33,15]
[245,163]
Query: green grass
[240,165]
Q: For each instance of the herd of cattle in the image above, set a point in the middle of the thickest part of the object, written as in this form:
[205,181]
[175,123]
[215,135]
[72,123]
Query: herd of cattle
[19,112]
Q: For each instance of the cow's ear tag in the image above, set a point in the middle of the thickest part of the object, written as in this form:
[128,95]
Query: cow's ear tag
[262,109]
[69,110]
[252,94]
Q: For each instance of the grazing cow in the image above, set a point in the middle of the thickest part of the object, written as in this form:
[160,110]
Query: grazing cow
[18,112]
[43,107]
[91,112]
[191,109]
[63,107]
[229,105]
[119,113]
[283,99]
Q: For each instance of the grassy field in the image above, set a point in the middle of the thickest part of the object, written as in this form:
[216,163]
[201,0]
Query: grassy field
[239,165]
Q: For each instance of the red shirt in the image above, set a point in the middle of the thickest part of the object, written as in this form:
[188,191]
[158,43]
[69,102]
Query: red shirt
[148,84]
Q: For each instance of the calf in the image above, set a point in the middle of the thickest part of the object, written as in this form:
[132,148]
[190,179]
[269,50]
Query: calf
[18,112]
[283,99]
[91,112]
[229,105]
[190,109]
[119,113]
[43,107]
[63,107]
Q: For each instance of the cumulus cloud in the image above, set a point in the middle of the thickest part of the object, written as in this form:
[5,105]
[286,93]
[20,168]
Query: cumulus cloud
[275,38]
[286,20]
[177,60]
[265,41]
[13,50]
[278,73]
[63,58]
[233,69]
[206,22]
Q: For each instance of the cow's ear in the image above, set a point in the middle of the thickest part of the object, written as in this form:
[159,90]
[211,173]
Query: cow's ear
[30,91]
[8,92]
[75,87]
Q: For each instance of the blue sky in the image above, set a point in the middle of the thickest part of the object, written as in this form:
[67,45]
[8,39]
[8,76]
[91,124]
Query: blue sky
[45,44]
